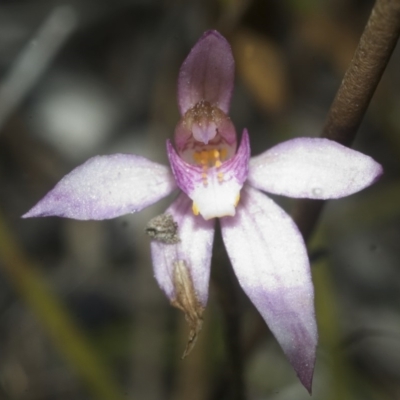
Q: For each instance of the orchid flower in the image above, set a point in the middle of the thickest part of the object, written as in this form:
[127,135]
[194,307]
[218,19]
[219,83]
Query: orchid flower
[217,179]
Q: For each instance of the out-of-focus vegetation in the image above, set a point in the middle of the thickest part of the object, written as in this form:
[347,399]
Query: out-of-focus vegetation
[81,316]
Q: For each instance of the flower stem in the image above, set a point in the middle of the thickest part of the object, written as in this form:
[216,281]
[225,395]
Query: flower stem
[230,382]
[355,92]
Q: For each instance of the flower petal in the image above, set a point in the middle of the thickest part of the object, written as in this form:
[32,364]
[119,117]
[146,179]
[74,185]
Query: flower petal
[207,74]
[105,187]
[313,168]
[270,260]
[214,191]
[194,249]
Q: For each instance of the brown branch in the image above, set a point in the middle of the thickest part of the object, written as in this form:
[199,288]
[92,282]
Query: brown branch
[355,92]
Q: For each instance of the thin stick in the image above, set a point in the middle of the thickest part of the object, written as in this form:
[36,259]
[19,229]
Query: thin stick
[355,92]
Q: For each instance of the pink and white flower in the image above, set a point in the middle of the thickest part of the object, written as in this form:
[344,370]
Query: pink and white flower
[218,179]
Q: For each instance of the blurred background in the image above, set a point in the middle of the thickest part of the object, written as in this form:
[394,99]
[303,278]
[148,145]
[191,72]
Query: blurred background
[81,316]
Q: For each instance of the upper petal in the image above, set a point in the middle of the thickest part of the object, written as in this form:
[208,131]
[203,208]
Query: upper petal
[105,187]
[193,249]
[270,260]
[312,168]
[207,74]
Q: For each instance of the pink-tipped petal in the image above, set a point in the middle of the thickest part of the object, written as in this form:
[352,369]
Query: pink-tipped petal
[215,193]
[313,168]
[194,249]
[106,187]
[207,74]
[270,260]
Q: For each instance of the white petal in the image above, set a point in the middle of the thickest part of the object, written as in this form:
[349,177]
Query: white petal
[270,260]
[105,187]
[194,250]
[312,168]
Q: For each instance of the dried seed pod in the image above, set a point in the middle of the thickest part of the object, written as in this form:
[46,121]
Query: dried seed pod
[186,300]
[163,228]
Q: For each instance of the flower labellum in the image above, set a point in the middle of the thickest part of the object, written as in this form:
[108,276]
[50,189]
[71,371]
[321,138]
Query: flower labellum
[218,179]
